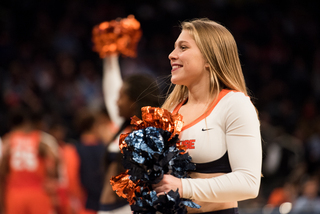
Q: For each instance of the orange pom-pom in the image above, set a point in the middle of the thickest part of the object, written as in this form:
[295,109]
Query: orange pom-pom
[124,187]
[159,118]
[117,36]
[122,143]
[156,117]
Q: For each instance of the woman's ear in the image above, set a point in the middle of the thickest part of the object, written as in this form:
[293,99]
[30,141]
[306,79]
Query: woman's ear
[207,66]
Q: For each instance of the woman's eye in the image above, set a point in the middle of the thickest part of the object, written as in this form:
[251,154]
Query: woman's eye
[183,47]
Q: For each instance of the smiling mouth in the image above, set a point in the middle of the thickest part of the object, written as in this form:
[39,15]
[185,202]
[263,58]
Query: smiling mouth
[175,67]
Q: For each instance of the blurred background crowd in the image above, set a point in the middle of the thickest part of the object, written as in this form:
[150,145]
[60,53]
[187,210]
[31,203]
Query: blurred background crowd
[47,64]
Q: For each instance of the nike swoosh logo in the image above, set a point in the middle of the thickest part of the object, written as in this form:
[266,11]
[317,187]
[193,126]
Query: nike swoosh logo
[203,129]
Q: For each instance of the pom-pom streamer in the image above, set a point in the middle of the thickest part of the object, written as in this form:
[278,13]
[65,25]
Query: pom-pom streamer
[117,36]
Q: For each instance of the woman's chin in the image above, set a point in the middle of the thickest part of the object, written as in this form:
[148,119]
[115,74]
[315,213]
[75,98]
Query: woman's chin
[175,81]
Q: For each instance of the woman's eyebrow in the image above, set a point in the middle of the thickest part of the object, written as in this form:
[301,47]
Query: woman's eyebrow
[179,42]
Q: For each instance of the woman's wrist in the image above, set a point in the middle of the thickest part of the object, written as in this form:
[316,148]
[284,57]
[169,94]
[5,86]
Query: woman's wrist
[185,191]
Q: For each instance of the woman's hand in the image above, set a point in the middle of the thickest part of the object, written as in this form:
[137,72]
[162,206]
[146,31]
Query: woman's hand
[168,183]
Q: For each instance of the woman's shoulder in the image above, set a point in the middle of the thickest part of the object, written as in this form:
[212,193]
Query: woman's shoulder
[238,101]
[236,97]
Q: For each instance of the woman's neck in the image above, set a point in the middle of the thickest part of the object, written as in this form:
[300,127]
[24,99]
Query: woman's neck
[199,94]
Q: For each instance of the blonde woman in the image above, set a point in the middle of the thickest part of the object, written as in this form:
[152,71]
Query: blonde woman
[221,127]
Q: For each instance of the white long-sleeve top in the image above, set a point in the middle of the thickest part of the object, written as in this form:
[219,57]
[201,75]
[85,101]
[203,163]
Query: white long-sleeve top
[112,82]
[230,125]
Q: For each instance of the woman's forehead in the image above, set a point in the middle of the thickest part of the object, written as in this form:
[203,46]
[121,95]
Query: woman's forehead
[184,36]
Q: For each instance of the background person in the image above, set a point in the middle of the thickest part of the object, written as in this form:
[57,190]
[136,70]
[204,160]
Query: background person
[309,200]
[70,190]
[29,168]
[90,150]
[124,99]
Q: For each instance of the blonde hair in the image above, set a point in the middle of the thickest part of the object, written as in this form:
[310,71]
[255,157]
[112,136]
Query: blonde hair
[220,51]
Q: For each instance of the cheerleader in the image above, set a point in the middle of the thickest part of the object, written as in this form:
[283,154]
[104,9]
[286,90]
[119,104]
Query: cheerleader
[221,127]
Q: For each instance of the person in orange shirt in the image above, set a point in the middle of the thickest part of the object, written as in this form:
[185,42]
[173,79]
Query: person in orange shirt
[28,168]
[70,192]
[287,193]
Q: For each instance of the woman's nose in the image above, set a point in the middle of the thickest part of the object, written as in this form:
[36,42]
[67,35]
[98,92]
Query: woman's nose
[172,55]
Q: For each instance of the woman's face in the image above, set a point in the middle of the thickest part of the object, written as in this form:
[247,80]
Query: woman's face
[126,107]
[187,62]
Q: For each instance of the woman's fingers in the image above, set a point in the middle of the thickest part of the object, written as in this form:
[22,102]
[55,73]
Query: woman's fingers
[168,183]
[161,190]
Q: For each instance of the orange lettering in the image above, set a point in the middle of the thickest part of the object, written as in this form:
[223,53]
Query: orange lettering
[189,144]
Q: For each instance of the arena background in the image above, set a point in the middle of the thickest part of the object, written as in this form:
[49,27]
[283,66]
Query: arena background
[47,63]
